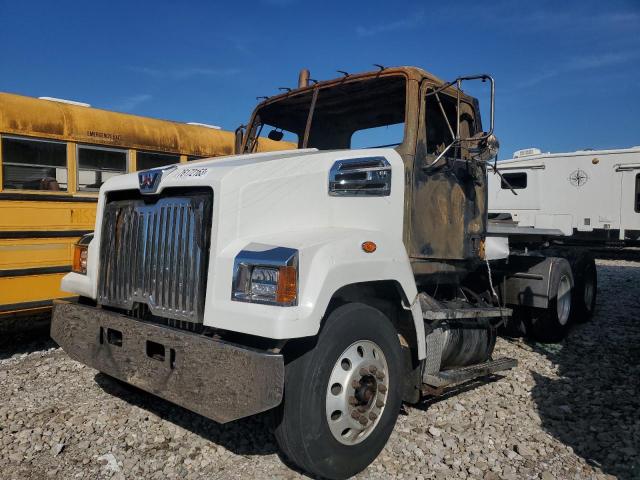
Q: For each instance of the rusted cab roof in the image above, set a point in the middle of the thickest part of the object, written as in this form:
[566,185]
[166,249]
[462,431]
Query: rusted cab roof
[411,73]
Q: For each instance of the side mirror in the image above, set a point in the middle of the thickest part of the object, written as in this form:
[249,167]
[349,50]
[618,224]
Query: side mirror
[491,146]
[239,137]
[482,146]
[275,135]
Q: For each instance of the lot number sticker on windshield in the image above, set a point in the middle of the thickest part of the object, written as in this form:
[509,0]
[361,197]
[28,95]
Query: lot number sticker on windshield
[193,172]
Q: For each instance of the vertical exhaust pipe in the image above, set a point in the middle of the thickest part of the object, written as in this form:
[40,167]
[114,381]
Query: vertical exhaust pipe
[303,78]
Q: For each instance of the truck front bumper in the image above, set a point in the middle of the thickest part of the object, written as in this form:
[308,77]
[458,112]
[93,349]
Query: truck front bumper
[216,379]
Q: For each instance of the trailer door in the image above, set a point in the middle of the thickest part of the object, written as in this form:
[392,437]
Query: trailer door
[629,202]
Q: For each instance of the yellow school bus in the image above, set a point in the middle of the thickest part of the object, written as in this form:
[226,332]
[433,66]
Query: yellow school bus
[54,155]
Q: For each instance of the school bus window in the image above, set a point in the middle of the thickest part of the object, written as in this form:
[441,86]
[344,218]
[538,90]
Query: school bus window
[147,160]
[96,165]
[34,164]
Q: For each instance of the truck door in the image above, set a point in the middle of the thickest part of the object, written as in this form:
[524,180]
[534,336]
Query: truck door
[449,197]
[629,202]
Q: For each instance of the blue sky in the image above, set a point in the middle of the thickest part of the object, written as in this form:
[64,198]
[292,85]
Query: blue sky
[567,73]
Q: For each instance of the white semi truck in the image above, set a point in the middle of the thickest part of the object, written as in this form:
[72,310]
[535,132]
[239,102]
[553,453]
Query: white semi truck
[326,284]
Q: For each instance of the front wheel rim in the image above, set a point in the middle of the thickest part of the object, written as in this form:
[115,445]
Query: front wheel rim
[563,300]
[357,392]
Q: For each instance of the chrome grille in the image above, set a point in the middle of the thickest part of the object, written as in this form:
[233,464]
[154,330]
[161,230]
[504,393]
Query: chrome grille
[156,254]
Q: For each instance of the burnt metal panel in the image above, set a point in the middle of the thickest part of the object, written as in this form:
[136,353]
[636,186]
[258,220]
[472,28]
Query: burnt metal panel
[156,254]
[216,379]
[445,203]
[448,211]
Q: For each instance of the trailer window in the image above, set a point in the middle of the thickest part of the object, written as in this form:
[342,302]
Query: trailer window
[96,165]
[517,181]
[638,193]
[147,160]
[34,164]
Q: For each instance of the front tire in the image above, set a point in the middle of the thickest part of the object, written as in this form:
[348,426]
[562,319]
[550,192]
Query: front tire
[342,397]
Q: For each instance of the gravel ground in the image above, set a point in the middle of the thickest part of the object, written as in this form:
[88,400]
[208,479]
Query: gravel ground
[567,411]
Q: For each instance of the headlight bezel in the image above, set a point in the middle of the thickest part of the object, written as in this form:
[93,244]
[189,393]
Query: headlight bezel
[280,261]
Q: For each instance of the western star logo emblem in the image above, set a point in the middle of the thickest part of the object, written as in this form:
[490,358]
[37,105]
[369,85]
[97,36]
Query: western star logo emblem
[149,180]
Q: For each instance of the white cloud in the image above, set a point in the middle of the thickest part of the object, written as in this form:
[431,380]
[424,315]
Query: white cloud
[583,19]
[533,80]
[130,103]
[579,64]
[185,73]
[598,61]
[564,17]
[278,3]
[404,23]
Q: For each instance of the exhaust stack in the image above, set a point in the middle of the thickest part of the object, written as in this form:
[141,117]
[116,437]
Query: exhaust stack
[303,78]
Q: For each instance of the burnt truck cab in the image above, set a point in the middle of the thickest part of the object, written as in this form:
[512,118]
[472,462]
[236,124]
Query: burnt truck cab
[445,190]
[327,284]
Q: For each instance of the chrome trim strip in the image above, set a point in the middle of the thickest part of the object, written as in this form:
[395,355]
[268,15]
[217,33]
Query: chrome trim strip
[364,176]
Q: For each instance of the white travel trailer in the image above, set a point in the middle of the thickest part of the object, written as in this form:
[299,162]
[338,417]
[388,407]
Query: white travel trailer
[592,195]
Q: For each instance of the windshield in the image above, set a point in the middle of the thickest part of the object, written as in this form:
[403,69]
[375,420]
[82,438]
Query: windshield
[354,114]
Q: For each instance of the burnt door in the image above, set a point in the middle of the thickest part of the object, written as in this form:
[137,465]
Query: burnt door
[449,196]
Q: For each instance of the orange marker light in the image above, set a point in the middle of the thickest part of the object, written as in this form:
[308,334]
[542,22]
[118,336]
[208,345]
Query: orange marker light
[369,247]
[79,259]
[287,290]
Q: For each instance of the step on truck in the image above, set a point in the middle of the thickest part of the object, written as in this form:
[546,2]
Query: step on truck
[327,284]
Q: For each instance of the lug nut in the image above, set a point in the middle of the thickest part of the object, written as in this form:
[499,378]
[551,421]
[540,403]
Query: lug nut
[363,420]
[373,369]
[372,416]
[382,388]
[362,409]
[380,375]
[379,403]
[352,400]
[364,372]
[355,415]
[355,383]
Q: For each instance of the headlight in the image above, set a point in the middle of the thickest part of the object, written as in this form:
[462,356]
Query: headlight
[265,274]
[80,254]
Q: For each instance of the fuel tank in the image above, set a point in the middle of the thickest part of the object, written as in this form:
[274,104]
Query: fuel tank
[465,345]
